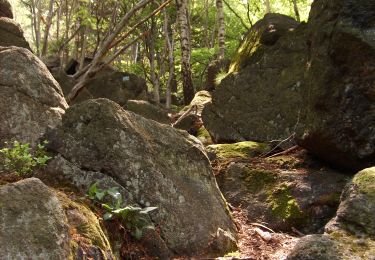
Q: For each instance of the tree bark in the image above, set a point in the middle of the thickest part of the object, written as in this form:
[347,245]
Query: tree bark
[183,17]
[221,28]
[170,47]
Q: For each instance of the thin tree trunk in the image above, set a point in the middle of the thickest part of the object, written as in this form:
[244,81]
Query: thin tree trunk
[268,6]
[296,11]
[47,28]
[183,18]
[151,55]
[221,28]
[85,30]
[170,46]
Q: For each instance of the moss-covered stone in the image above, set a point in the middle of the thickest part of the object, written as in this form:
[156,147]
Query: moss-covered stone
[284,205]
[365,181]
[242,149]
[204,136]
[84,227]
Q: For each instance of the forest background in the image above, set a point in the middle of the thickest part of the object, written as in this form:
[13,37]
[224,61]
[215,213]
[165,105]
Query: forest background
[170,43]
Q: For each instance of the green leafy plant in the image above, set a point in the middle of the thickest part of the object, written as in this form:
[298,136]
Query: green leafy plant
[133,218]
[22,159]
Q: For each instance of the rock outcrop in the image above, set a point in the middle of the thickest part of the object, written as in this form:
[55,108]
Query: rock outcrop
[351,233]
[257,100]
[155,164]
[11,34]
[33,223]
[340,83]
[6,9]
[30,99]
[314,81]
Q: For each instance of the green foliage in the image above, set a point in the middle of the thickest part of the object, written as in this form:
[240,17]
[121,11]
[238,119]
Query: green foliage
[22,159]
[133,218]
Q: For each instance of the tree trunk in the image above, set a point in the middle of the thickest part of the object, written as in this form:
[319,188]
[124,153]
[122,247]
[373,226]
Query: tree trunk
[296,11]
[268,6]
[221,28]
[47,28]
[170,47]
[183,17]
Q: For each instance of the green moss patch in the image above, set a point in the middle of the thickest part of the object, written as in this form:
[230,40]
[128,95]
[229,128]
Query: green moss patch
[242,149]
[365,180]
[284,161]
[284,205]
[258,179]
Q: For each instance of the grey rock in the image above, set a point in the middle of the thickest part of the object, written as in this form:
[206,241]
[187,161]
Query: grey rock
[11,34]
[157,165]
[33,224]
[30,99]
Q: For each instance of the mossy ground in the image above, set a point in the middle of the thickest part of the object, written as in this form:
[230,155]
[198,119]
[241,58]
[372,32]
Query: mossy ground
[242,149]
[258,179]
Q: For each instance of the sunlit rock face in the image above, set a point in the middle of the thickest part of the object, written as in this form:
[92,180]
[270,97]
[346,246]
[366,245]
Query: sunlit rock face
[31,101]
[315,80]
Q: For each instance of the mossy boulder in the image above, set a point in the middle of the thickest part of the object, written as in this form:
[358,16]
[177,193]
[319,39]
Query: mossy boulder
[257,99]
[87,236]
[246,149]
[340,96]
[357,208]
[351,233]
[204,136]
[155,164]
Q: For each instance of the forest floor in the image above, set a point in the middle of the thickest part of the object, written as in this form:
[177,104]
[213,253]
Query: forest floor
[258,242]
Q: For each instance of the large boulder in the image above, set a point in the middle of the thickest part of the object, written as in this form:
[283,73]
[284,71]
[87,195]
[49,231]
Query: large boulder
[33,223]
[155,164]
[340,83]
[107,83]
[260,98]
[148,110]
[30,99]
[11,34]
[5,9]
[315,83]
[351,233]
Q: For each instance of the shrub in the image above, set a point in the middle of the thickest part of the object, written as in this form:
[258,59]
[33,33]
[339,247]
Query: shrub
[22,159]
